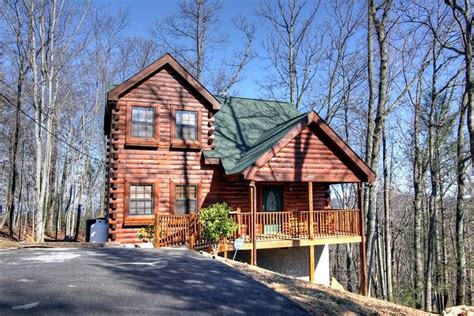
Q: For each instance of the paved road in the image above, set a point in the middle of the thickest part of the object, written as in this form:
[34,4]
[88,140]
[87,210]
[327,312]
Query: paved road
[129,281]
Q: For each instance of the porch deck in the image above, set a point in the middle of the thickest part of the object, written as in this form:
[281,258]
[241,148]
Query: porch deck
[272,229]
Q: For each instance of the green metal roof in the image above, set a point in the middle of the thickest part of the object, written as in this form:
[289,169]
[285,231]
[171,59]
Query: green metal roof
[109,87]
[247,128]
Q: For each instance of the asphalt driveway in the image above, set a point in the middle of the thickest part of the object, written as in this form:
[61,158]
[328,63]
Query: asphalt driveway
[130,281]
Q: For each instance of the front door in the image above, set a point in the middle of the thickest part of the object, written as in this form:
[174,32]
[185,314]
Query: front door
[272,198]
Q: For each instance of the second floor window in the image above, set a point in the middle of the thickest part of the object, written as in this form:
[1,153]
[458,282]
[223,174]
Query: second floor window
[185,199]
[141,199]
[186,125]
[143,122]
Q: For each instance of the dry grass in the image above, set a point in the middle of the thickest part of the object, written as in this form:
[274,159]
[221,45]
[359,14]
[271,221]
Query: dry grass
[321,300]
[6,243]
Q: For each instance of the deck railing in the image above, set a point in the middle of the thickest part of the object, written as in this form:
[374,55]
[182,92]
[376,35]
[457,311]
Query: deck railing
[172,230]
[270,226]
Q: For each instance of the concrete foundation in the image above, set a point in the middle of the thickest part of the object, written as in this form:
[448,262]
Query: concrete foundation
[292,261]
[321,258]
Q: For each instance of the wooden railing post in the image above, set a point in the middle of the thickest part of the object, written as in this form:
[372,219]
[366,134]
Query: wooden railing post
[156,242]
[192,231]
[225,248]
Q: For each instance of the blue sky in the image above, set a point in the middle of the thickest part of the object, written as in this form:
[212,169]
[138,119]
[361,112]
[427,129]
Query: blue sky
[143,14]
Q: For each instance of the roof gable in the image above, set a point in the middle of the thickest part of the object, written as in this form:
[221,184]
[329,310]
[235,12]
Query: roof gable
[341,151]
[147,72]
[307,157]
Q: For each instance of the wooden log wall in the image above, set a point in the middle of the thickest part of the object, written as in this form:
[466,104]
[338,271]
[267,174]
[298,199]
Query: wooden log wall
[166,91]
[295,196]
[308,157]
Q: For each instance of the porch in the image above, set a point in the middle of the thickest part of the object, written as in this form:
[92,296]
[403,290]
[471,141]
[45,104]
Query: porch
[272,229]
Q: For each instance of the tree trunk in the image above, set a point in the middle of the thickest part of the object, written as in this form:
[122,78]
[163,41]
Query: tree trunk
[52,192]
[370,110]
[444,245]
[349,268]
[469,287]
[291,62]
[460,209]
[62,186]
[433,202]
[78,221]
[469,40]
[199,41]
[417,205]
[379,124]
[387,222]
[381,265]
[370,75]
[14,151]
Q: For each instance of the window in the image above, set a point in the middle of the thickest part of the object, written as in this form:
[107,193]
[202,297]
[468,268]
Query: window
[143,122]
[141,199]
[185,199]
[186,125]
[186,131]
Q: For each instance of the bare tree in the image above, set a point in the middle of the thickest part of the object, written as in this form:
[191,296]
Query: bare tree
[452,31]
[193,36]
[12,15]
[135,54]
[463,18]
[340,52]
[418,176]
[379,19]
[462,15]
[291,47]
[230,73]
[462,160]
[54,39]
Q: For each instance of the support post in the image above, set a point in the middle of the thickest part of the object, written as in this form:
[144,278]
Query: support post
[253,209]
[225,248]
[362,249]
[239,222]
[192,231]
[311,265]
[311,218]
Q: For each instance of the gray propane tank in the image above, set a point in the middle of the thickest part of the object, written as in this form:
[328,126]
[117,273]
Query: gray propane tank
[99,231]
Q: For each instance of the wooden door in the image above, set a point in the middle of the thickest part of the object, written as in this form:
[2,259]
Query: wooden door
[272,198]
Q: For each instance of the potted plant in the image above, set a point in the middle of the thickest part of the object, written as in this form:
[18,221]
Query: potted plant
[147,234]
[217,224]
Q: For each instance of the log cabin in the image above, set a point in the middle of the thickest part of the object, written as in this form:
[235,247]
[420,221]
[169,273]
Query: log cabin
[173,148]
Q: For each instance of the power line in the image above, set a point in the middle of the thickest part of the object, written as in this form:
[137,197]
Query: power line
[28,99]
[51,133]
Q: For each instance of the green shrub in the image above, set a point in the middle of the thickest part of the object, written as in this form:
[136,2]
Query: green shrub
[216,223]
[146,233]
